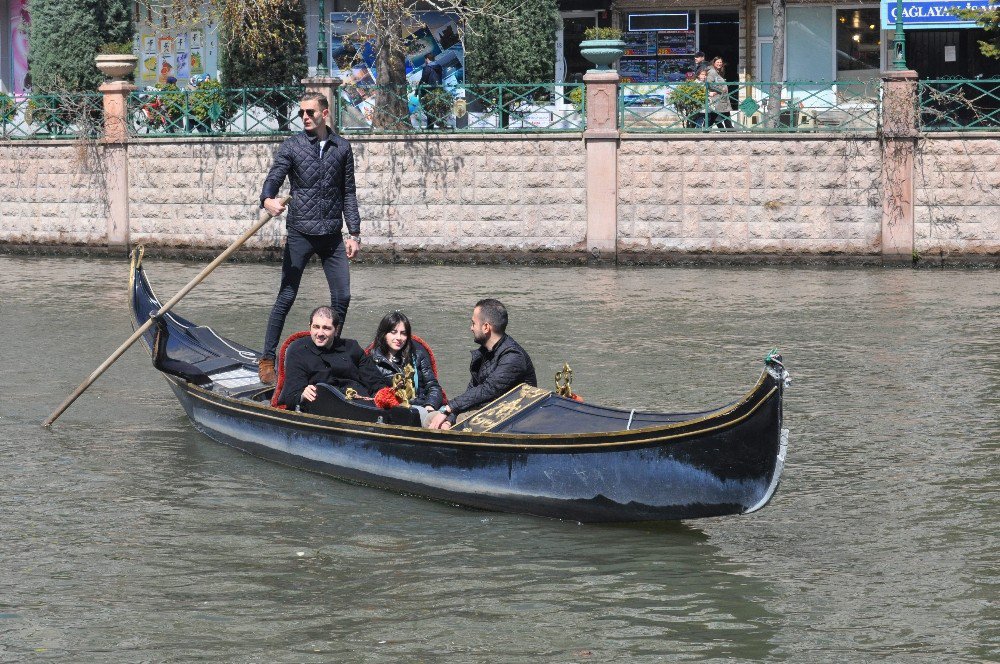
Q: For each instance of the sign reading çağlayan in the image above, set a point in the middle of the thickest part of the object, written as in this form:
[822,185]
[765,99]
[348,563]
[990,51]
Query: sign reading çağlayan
[930,14]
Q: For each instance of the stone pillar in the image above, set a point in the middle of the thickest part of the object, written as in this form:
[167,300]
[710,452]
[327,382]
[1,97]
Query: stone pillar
[899,145]
[327,86]
[115,147]
[601,139]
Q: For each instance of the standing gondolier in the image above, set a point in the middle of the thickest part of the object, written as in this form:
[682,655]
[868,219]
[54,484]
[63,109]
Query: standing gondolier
[320,168]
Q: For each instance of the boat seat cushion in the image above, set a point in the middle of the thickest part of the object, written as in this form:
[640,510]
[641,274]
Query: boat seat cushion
[279,367]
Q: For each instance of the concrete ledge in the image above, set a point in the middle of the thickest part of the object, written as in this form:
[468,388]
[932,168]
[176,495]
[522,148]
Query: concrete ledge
[375,257]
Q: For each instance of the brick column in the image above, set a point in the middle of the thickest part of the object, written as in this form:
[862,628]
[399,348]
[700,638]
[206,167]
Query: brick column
[327,86]
[601,139]
[115,147]
[899,144]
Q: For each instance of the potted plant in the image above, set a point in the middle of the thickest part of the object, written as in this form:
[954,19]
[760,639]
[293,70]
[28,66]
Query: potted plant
[116,60]
[688,99]
[602,46]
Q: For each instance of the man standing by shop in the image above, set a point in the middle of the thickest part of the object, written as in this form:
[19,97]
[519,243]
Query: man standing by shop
[320,168]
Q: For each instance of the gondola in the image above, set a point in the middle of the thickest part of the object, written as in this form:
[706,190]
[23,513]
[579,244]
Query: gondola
[531,452]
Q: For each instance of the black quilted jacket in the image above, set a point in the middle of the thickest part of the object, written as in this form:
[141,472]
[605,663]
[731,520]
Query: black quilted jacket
[323,191]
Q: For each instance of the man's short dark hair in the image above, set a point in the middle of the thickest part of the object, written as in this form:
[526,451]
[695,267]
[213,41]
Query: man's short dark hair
[325,312]
[699,54]
[319,98]
[429,57]
[493,312]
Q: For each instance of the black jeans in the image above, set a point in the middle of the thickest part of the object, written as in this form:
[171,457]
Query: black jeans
[299,248]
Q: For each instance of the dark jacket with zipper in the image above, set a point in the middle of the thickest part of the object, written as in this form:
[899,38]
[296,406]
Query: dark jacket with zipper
[494,373]
[324,195]
[343,365]
[425,383]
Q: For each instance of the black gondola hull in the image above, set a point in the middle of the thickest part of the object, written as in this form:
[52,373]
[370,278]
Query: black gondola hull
[711,475]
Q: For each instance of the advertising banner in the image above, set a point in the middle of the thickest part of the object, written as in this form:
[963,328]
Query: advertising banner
[19,21]
[353,59]
[930,14]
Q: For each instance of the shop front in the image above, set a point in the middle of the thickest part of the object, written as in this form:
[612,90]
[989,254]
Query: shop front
[660,45]
[939,44]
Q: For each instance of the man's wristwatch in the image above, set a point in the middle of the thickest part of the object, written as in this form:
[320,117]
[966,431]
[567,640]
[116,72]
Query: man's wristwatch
[356,238]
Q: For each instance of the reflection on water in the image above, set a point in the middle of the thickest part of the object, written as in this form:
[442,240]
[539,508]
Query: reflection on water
[126,535]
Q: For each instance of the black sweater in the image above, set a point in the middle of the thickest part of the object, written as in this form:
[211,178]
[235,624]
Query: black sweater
[343,365]
[494,373]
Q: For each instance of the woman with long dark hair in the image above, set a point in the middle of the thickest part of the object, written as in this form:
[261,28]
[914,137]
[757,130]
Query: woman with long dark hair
[718,92]
[394,349]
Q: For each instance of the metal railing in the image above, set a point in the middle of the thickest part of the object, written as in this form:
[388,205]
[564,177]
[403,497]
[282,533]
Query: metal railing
[482,108]
[55,115]
[959,105]
[215,111]
[694,106]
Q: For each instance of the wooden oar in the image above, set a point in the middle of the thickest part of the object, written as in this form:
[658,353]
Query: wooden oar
[265,217]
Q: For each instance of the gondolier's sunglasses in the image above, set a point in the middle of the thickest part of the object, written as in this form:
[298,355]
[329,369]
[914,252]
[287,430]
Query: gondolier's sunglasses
[311,112]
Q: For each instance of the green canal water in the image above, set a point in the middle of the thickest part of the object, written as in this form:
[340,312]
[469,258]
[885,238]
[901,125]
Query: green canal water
[126,536]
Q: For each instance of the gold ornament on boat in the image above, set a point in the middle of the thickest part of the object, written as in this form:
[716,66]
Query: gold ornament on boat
[564,381]
[350,394]
[402,386]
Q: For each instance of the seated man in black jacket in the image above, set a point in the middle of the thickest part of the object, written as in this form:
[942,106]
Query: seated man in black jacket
[498,365]
[326,358]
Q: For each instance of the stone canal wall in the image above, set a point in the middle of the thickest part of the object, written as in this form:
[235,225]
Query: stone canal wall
[456,194]
[772,195]
[526,197]
[957,195]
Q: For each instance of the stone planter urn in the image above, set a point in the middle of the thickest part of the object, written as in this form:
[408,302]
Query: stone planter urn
[602,52]
[116,67]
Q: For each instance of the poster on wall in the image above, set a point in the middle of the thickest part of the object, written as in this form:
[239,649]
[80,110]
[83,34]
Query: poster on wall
[167,59]
[19,22]
[353,59]
[148,59]
[168,49]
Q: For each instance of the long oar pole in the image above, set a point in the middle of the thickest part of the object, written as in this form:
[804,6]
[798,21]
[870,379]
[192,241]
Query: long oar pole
[265,217]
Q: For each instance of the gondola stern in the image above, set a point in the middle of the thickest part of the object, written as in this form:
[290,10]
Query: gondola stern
[779,466]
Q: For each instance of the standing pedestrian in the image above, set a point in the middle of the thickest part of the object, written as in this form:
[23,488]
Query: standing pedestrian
[320,168]
[431,77]
[718,92]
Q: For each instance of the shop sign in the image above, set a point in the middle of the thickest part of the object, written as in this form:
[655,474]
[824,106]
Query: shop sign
[930,14]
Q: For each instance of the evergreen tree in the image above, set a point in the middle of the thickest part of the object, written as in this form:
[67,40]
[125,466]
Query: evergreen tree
[514,43]
[62,42]
[64,37]
[114,21]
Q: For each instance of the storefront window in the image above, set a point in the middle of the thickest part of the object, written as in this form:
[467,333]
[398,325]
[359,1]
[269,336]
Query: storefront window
[660,47]
[811,35]
[858,44]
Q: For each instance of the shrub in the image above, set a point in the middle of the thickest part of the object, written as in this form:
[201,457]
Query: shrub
[602,33]
[688,97]
[209,106]
[116,48]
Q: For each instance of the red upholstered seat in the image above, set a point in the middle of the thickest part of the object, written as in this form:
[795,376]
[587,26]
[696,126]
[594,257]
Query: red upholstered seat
[279,368]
